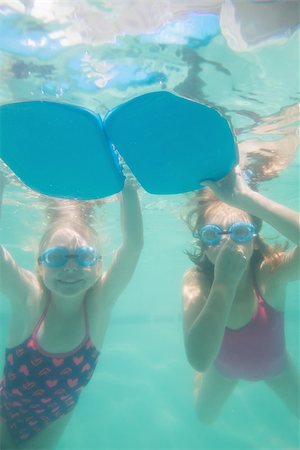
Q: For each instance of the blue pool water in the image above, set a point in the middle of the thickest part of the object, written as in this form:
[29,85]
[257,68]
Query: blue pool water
[98,54]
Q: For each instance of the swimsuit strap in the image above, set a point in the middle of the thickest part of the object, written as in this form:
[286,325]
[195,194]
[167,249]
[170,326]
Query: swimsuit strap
[86,320]
[257,291]
[259,297]
[38,326]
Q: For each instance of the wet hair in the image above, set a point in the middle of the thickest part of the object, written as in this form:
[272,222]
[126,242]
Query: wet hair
[70,216]
[205,203]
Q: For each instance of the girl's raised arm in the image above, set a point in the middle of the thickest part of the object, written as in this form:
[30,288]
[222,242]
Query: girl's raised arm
[126,258]
[14,281]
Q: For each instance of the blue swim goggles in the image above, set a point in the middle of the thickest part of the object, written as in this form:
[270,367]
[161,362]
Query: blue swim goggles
[239,232]
[58,256]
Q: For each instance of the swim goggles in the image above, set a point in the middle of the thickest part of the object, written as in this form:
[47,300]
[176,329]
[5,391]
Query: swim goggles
[58,256]
[239,232]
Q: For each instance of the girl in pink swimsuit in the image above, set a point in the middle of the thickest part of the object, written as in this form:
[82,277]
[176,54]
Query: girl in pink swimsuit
[59,317]
[234,297]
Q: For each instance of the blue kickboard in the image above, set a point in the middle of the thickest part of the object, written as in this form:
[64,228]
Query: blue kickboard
[59,150]
[171,143]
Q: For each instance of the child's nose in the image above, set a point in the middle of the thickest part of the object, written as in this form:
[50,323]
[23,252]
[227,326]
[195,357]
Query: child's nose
[224,238]
[71,265]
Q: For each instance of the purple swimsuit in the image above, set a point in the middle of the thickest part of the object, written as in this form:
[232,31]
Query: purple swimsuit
[257,350]
[38,387]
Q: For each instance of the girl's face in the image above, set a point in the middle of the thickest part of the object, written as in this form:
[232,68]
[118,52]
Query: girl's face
[224,217]
[71,278]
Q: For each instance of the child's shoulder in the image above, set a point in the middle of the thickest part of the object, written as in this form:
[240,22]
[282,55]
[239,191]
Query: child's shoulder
[271,284]
[195,276]
[191,273]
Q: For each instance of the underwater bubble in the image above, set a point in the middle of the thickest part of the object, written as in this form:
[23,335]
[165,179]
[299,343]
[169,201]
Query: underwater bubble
[54,89]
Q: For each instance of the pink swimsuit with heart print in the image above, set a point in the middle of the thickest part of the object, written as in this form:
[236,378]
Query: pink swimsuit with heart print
[38,387]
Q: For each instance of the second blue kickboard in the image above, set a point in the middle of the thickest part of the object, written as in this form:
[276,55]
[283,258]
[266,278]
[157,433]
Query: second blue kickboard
[59,150]
[171,143]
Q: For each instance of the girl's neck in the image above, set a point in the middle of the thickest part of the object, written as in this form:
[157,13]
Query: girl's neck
[66,306]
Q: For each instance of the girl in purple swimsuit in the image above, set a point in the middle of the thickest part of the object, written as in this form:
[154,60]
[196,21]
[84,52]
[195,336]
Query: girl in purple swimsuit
[234,297]
[59,318]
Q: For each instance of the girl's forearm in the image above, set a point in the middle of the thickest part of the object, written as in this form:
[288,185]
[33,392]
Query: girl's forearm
[205,337]
[131,217]
[282,218]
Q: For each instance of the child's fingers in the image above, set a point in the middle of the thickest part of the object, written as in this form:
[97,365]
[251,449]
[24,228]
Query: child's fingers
[208,183]
[235,248]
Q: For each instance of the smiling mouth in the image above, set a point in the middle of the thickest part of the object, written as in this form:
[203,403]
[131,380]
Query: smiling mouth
[69,282]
